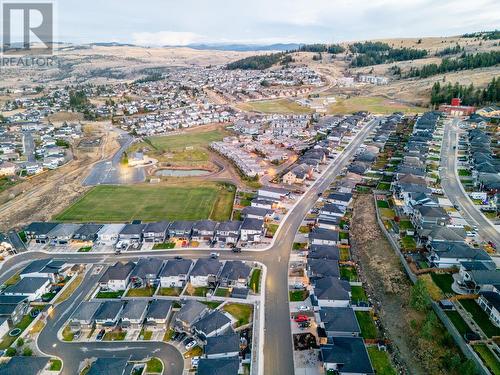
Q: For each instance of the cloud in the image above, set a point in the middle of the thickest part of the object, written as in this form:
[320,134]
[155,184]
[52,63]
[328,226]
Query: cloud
[164,38]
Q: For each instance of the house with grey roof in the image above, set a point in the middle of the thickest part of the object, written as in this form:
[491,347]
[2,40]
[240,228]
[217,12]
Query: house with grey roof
[13,308]
[134,313]
[218,366]
[318,268]
[146,271]
[108,234]
[321,236]
[46,268]
[39,231]
[87,232]
[252,230]
[131,233]
[213,323]
[205,272]
[190,312]
[25,365]
[344,199]
[256,213]
[489,301]
[175,273]
[228,232]
[235,273]
[332,292]
[155,232]
[62,233]
[451,254]
[108,314]
[111,366]
[323,252]
[31,287]
[117,277]
[159,312]
[223,346]
[346,355]
[204,230]
[428,217]
[339,321]
[180,229]
[83,317]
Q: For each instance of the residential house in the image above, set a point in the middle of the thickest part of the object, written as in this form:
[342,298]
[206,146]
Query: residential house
[218,366]
[318,268]
[31,287]
[332,292]
[324,252]
[159,312]
[446,254]
[339,321]
[343,199]
[332,209]
[298,174]
[204,230]
[212,324]
[346,356]
[256,213]
[117,277]
[87,232]
[134,313]
[83,317]
[321,236]
[108,234]
[228,232]
[39,231]
[155,232]
[235,274]
[146,271]
[428,217]
[13,308]
[180,229]
[263,203]
[205,272]
[108,314]
[252,230]
[62,234]
[190,312]
[131,233]
[111,366]
[223,346]
[490,303]
[26,365]
[272,193]
[175,273]
[45,268]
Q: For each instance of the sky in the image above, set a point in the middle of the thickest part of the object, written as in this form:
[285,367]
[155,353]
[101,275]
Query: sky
[167,22]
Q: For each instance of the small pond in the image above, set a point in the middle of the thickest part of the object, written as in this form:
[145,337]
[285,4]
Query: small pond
[181,172]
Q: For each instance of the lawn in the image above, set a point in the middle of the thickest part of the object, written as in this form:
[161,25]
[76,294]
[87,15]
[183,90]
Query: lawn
[152,203]
[405,225]
[70,289]
[14,279]
[274,106]
[194,352]
[146,335]
[464,172]
[348,273]
[55,365]
[67,334]
[374,104]
[85,249]
[408,243]
[197,292]
[109,294]
[304,229]
[154,365]
[140,292]
[298,295]
[443,281]
[488,358]
[222,292]
[168,335]
[480,317]
[380,361]
[271,229]
[255,280]
[344,235]
[344,254]
[382,204]
[458,322]
[383,186]
[358,294]
[195,139]
[387,213]
[367,325]
[241,311]
[5,183]
[299,245]
[115,336]
[163,246]
[170,292]
[22,325]
[212,304]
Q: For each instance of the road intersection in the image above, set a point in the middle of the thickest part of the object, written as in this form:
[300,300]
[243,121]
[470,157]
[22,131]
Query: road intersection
[276,353]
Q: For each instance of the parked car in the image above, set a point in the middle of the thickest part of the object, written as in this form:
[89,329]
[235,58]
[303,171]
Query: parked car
[191,344]
[298,285]
[304,324]
[236,249]
[214,255]
[301,318]
[181,336]
[194,362]
[303,308]
[100,335]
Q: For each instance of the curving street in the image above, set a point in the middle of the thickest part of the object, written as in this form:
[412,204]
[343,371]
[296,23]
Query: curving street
[276,355]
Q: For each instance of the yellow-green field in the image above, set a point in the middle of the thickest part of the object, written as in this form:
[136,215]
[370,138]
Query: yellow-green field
[103,204]
[373,104]
[274,106]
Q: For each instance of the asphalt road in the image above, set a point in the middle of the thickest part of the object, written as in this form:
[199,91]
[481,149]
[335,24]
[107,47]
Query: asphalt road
[451,185]
[278,346]
[111,172]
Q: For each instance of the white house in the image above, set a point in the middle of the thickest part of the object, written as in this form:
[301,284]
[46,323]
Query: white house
[175,273]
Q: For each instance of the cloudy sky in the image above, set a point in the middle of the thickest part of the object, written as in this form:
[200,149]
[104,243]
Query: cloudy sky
[167,22]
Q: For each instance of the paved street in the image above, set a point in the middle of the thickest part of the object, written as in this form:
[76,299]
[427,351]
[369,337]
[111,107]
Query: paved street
[452,187]
[278,350]
[111,172]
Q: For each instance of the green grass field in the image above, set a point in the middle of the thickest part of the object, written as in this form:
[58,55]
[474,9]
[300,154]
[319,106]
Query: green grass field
[458,322]
[152,203]
[480,317]
[367,325]
[380,361]
[241,311]
[275,106]
[443,281]
[374,104]
[488,358]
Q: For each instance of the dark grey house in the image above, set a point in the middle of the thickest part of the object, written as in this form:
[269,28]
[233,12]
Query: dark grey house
[155,232]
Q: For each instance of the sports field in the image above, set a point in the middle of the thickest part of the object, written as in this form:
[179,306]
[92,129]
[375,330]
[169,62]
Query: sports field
[274,106]
[374,104]
[105,204]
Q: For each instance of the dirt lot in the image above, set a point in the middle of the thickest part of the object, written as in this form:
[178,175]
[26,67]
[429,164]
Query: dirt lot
[41,196]
[386,281]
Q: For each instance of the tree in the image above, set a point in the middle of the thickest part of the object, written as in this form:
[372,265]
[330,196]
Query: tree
[27,352]
[420,299]
[11,352]
[20,342]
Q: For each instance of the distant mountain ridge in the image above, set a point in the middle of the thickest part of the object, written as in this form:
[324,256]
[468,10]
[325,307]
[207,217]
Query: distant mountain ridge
[243,47]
